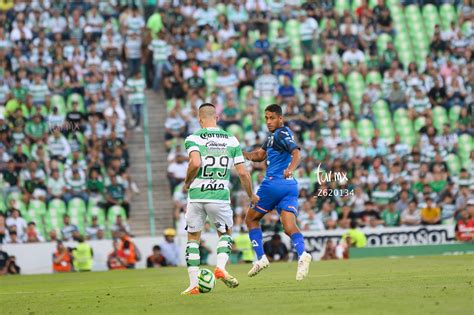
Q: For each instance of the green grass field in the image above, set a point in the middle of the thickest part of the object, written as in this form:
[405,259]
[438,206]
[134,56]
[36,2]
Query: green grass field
[421,285]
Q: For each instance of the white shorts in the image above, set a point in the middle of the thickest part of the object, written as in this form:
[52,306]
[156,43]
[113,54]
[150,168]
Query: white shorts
[220,214]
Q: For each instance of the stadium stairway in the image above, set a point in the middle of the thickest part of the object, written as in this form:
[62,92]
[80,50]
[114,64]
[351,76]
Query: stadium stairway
[162,202]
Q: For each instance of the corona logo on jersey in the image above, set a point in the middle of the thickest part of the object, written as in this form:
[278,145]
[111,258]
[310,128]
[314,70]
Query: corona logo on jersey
[207,135]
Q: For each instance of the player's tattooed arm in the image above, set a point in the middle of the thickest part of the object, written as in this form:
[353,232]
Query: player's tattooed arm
[193,168]
[295,161]
[258,155]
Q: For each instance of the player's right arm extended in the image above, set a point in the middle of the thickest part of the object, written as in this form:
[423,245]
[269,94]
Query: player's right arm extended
[193,168]
[258,155]
[246,181]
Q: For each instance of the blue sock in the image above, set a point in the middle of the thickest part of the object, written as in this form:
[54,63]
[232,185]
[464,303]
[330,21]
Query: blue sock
[298,242]
[256,239]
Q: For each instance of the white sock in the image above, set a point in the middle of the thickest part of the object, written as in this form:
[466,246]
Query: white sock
[224,246]
[222,259]
[193,276]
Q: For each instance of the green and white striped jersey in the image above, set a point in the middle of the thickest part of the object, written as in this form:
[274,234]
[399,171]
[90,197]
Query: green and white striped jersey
[219,152]
[136,91]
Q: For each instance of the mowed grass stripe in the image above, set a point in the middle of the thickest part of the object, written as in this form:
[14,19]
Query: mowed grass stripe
[435,285]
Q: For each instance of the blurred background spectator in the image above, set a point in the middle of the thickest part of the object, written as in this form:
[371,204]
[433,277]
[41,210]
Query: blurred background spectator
[156,259]
[170,248]
[275,249]
[62,258]
[379,90]
[69,76]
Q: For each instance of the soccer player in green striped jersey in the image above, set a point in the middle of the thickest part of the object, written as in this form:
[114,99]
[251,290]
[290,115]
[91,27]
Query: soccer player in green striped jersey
[212,153]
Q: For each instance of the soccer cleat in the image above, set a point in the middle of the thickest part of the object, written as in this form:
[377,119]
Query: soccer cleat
[303,266]
[191,291]
[258,266]
[228,279]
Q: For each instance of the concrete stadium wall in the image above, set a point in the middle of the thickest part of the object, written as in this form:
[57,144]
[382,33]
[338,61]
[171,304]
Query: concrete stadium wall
[36,258]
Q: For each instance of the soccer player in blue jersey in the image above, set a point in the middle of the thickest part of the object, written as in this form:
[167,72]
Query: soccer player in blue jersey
[279,190]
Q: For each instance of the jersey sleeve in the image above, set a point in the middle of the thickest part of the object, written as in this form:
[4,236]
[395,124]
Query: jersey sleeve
[190,145]
[287,141]
[265,144]
[237,153]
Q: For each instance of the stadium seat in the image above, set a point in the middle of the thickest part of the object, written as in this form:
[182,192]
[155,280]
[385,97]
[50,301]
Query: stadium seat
[346,126]
[430,18]
[399,113]
[210,75]
[465,144]
[296,62]
[355,80]
[241,63]
[257,63]
[58,101]
[356,4]
[365,130]
[454,164]
[316,59]
[382,41]
[53,221]
[237,131]
[247,123]
[374,77]
[341,6]
[264,101]
[58,206]
[454,113]
[37,206]
[78,98]
[298,80]
[419,123]
[114,212]
[3,206]
[170,104]
[243,93]
[440,117]
[313,81]
[221,8]
[447,15]
[99,213]
[292,29]
[76,209]
[275,25]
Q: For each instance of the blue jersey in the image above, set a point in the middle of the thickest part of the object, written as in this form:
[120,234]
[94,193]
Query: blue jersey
[279,146]
[277,192]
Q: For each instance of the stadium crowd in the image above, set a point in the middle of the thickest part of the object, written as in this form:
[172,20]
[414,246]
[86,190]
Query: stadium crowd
[71,89]
[376,91]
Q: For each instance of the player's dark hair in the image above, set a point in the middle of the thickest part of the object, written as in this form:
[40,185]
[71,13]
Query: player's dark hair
[274,108]
[206,104]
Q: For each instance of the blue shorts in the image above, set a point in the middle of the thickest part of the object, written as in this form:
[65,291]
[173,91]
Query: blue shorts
[279,194]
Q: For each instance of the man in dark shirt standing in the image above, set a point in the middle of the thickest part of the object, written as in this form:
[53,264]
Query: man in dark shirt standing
[384,22]
[275,250]
[195,83]
[11,174]
[437,94]
[20,159]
